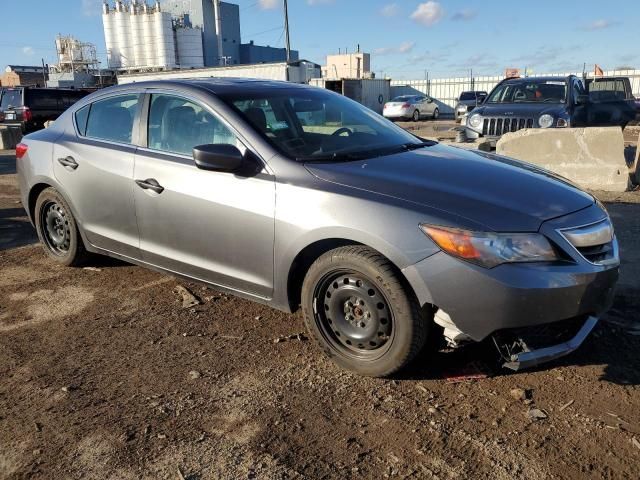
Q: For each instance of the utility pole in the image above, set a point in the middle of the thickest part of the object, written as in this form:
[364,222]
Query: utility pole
[286,30]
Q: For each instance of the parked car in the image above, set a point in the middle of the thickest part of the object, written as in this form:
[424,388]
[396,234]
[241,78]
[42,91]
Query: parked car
[549,102]
[380,236]
[467,102]
[411,107]
[31,107]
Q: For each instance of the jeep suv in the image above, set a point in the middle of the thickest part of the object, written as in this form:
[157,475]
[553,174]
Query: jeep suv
[31,107]
[551,102]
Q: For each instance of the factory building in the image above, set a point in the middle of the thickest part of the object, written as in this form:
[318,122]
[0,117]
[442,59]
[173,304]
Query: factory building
[226,48]
[140,36]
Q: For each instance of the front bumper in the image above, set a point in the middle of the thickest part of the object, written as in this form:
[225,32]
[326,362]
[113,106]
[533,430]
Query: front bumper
[479,301]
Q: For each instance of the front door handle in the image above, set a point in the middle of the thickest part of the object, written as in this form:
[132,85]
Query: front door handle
[68,162]
[150,184]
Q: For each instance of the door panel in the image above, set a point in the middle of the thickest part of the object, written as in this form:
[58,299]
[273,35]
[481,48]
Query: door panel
[100,184]
[212,226]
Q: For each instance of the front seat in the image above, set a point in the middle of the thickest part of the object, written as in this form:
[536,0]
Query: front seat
[179,130]
[257,118]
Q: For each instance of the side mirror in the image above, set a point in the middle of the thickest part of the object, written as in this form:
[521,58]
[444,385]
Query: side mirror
[218,157]
[582,99]
[429,100]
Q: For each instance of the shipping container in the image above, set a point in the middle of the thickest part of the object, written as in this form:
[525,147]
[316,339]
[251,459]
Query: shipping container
[296,72]
[370,92]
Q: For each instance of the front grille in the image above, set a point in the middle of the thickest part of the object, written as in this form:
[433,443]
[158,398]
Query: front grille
[595,242]
[495,127]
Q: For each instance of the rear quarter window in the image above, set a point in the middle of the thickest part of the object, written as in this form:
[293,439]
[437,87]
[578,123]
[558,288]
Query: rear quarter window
[112,118]
[82,116]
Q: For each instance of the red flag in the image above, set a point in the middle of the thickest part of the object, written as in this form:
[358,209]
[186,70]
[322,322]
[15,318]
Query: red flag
[597,71]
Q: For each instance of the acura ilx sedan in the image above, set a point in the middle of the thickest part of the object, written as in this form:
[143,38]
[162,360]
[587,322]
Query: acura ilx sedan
[295,196]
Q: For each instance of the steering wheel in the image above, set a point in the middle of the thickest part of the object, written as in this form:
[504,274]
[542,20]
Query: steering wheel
[342,130]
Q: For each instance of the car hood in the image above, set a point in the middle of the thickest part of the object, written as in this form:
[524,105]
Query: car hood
[519,109]
[498,193]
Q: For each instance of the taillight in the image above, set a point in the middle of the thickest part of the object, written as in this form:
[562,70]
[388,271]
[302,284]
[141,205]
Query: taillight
[406,105]
[27,116]
[21,150]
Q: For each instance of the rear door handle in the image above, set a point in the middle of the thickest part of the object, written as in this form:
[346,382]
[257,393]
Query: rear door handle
[68,162]
[150,184]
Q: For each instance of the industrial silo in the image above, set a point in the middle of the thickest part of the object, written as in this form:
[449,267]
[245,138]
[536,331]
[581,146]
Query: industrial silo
[113,52]
[148,37]
[136,35]
[122,33]
[189,46]
[164,42]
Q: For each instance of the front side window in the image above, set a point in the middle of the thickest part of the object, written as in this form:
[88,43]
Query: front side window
[176,125]
[314,124]
[112,119]
[530,91]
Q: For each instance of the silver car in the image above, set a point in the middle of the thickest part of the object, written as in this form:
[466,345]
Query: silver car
[296,196]
[411,107]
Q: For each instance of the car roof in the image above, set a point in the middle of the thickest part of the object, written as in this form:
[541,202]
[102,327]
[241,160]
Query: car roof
[536,79]
[217,86]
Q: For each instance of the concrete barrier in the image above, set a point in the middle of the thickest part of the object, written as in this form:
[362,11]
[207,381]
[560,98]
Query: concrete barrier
[10,136]
[593,158]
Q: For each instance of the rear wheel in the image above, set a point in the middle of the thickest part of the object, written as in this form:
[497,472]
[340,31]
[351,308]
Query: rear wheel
[416,116]
[57,229]
[436,114]
[361,315]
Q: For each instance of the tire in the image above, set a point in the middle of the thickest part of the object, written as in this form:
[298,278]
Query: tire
[377,327]
[436,114]
[57,229]
[416,116]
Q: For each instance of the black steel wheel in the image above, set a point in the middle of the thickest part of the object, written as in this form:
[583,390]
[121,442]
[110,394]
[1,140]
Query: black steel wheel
[360,313]
[57,228]
[354,315]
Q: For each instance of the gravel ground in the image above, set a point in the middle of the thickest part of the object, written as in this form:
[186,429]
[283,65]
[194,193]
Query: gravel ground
[104,375]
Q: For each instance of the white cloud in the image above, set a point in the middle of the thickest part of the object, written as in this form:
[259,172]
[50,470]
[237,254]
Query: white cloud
[464,15]
[404,47]
[600,24]
[269,4]
[390,10]
[28,51]
[428,13]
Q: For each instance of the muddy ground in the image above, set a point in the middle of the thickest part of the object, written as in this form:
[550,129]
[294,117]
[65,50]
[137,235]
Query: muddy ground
[104,375]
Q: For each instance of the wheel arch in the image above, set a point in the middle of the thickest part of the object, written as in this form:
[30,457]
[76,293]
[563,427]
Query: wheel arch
[310,253]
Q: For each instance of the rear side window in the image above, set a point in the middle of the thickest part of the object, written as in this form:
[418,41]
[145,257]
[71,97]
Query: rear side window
[82,116]
[12,98]
[112,119]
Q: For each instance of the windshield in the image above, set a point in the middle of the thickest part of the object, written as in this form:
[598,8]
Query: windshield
[468,96]
[404,98]
[530,91]
[315,124]
[11,98]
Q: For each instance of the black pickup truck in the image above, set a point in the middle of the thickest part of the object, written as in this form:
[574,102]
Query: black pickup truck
[552,102]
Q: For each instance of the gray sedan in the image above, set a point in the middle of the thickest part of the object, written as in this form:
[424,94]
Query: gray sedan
[411,107]
[296,196]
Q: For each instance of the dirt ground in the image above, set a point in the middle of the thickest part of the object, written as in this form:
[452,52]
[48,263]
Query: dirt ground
[104,375]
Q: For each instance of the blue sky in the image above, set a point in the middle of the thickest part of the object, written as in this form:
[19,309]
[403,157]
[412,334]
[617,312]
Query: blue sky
[406,37]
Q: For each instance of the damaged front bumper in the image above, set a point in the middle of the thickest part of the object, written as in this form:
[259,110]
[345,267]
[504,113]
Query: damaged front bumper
[525,351]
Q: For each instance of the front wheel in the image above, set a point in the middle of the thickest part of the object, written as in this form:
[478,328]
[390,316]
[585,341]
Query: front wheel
[436,114]
[57,229]
[416,116]
[359,312]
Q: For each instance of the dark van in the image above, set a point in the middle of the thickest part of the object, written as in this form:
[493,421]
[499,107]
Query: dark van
[31,107]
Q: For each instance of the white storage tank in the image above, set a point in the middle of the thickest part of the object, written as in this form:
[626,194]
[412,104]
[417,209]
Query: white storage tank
[135,25]
[113,53]
[189,47]
[164,42]
[123,38]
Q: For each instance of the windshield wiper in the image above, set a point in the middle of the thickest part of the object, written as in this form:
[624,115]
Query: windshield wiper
[416,146]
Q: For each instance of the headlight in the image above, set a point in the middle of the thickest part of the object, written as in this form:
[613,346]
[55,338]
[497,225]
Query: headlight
[475,120]
[545,121]
[491,249]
